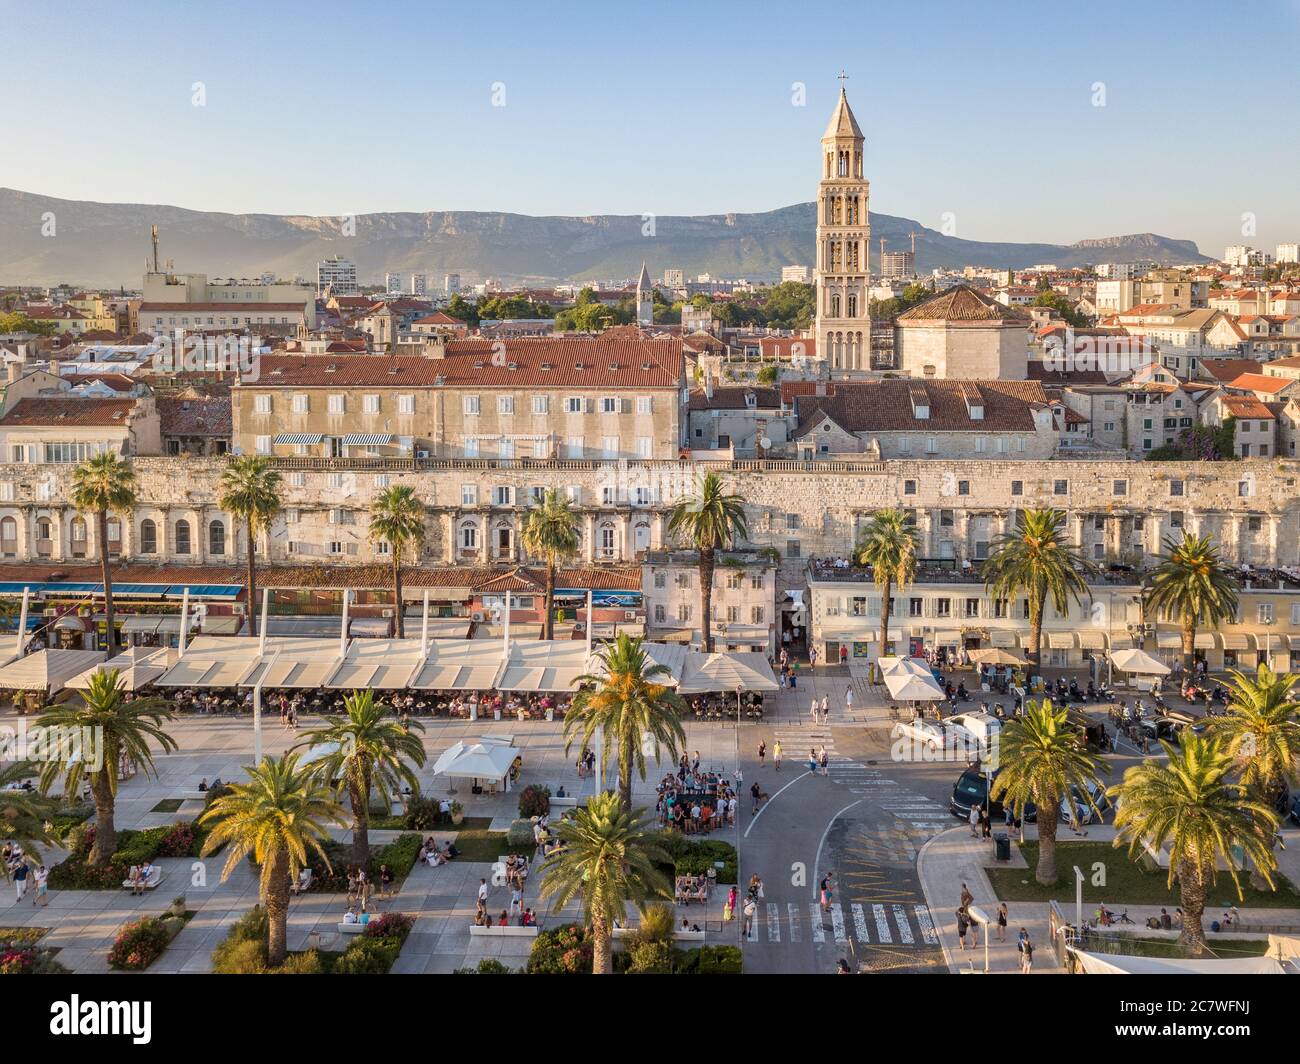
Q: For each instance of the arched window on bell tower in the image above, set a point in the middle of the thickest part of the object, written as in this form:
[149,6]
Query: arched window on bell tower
[835,306]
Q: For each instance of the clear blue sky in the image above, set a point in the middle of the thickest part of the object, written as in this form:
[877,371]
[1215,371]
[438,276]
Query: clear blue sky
[982,110]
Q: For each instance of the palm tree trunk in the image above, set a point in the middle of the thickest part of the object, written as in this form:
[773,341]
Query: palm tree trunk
[548,626]
[277,911]
[252,579]
[706,597]
[1036,604]
[397,592]
[625,758]
[101,789]
[360,823]
[101,525]
[1191,891]
[602,954]
[1189,643]
[1046,873]
[886,602]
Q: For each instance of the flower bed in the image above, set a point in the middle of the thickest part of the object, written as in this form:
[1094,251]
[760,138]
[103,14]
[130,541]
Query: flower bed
[181,839]
[399,855]
[142,942]
[373,952]
[561,951]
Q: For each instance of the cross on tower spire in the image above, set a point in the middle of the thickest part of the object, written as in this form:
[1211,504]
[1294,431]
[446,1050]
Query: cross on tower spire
[842,77]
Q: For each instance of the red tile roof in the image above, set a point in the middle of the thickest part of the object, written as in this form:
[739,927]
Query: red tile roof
[69,412]
[1227,369]
[1261,382]
[961,303]
[532,363]
[185,416]
[888,405]
[1245,406]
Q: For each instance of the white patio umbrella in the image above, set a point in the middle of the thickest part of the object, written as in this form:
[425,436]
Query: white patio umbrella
[1139,662]
[997,656]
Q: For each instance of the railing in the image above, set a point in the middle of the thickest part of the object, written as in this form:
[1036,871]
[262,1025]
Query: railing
[420,465]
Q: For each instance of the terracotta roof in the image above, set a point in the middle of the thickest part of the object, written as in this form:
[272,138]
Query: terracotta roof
[1261,382]
[786,346]
[732,398]
[52,313]
[888,405]
[185,416]
[438,317]
[532,363]
[331,576]
[1227,369]
[1038,371]
[1245,406]
[69,412]
[119,382]
[961,303]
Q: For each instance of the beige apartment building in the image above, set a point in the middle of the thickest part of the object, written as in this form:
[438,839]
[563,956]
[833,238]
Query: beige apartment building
[744,600]
[513,399]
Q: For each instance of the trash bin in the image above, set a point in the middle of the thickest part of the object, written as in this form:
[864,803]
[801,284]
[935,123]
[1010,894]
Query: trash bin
[1002,846]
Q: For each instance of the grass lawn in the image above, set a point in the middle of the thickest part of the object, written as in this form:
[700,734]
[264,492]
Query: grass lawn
[168,805]
[397,822]
[478,844]
[1126,882]
[1168,948]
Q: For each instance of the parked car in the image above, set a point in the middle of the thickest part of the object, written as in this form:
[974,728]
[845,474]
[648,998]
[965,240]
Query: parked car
[927,733]
[1086,811]
[971,788]
[975,729]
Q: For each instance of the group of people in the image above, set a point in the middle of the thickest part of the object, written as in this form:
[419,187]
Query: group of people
[695,802]
[434,855]
[18,869]
[725,706]
[516,876]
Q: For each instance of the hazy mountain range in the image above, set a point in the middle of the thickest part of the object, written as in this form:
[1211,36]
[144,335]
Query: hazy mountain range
[107,244]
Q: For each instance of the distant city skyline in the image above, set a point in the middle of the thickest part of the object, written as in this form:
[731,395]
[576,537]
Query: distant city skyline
[1026,124]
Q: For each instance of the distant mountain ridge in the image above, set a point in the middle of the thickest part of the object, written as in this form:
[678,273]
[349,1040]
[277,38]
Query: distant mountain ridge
[107,244]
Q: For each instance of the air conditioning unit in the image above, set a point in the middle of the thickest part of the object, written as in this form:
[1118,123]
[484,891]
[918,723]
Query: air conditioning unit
[421,454]
[477,615]
[629,615]
[387,614]
[579,626]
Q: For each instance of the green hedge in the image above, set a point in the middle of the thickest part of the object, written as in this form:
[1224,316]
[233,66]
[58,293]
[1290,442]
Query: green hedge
[373,952]
[562,950]
[181,839]
[142,941]
[399,855]
[695,857]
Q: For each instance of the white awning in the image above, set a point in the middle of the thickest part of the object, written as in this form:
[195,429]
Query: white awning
[1093,639]
[370,627]
[1003,637]
[368,439]
[298,437]
[1139,662]
[47,670]
[947,638]
[460,665]
[1060,640]
[136,668]
[1169,640]
[543,665]
[1236,640]
[378,664]
[725,671]
[1204,641]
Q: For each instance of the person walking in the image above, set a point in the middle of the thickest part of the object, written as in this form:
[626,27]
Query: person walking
[826,709]
[1026,952]
[974,821]
[20,877]
[963,924]
[750,908]
[762,753]
[827,890]
[42,879]
[967,898]
[813,710]
[825,761]
[848,701]
[1002,921]
[776,755]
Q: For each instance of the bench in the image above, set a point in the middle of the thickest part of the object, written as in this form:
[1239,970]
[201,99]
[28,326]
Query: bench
[678,936]
[503,931]
[151,882]
[195,796]
[345,928]
[569,801]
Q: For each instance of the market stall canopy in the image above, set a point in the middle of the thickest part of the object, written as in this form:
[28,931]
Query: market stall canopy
[543,665]
[1138,661]
[1117,964]
[213,661]
[459,665]
[476,760]
[47,670]
[137,667]
[725,671]
[293,661]
[908,687]
[378,664]
[899,666]
[996,656]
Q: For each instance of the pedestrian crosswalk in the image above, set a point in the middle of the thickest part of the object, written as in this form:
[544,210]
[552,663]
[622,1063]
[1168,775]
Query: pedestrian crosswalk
[864,923]
[800,743]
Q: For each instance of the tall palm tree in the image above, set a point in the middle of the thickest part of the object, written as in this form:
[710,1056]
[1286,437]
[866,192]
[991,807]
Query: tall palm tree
[709,519]
[397,518]
[374,753]
[280,817]
[608,857]
[1192,804]
[1192,585]
[102,485]
[116,727]
[251,490]
[1034,559]
[1040,760]
[551,532]
[23,814]
[1260,732]
[889,544]
[624,702]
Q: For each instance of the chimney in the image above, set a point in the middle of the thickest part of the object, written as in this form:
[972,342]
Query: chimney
[436,347]
[13,371]
[708,380]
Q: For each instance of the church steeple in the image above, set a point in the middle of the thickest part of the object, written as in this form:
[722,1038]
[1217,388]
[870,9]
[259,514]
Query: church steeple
[843,240]
[645,312]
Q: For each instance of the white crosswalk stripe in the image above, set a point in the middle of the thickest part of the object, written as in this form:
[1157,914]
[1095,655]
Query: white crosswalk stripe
[904,928]
[860,922]
[815,921]
[796,932]
[927,925]
[837,923]
[882,924]
[773,922]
